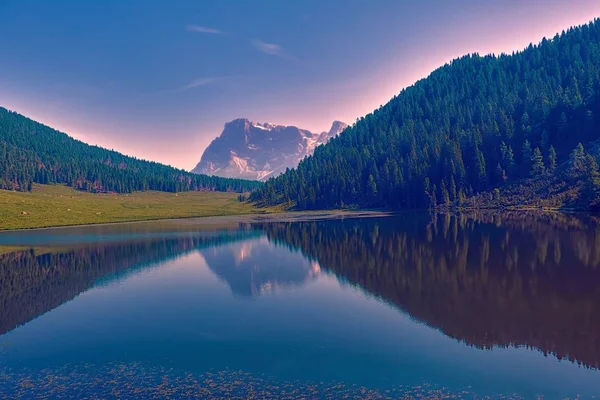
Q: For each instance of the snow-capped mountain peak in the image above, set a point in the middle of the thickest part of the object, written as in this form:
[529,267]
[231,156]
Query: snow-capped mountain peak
[254,150]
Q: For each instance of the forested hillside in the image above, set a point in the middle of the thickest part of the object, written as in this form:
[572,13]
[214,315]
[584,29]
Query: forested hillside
[32,152]
[509,122]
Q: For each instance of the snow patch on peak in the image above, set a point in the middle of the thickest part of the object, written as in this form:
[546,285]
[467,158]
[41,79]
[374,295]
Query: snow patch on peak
[240,163]
[260,126]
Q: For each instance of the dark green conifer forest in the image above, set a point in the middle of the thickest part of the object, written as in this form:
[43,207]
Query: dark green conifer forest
[32,152]
[483,129]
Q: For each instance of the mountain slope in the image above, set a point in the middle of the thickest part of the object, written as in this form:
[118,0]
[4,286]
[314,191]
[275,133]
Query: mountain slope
[475,124]
[32,152]
[251,150]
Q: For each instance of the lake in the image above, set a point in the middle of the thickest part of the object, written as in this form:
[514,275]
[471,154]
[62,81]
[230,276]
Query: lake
[503,305]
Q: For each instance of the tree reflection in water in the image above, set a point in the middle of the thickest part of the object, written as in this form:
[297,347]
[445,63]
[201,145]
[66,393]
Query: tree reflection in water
[510,279]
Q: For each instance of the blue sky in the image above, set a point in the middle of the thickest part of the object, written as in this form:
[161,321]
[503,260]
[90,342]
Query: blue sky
[158,79]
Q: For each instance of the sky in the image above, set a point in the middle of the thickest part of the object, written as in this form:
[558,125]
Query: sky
[158,79]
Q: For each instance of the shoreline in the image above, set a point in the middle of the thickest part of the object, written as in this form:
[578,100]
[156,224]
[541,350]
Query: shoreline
[222,220]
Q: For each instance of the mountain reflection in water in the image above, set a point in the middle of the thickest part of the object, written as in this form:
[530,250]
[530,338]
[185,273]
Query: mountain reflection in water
[256,267]
[36,280]
[519,279]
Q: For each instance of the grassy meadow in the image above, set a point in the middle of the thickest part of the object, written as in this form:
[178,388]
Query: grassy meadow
[57,205]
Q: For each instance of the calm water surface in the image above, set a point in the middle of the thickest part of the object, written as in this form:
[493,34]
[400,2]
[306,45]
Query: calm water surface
[447,306]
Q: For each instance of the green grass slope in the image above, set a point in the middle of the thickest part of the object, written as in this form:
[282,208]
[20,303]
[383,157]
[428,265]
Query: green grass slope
[58,205]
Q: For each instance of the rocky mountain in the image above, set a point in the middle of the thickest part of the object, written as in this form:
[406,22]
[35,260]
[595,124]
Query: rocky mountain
[252,150]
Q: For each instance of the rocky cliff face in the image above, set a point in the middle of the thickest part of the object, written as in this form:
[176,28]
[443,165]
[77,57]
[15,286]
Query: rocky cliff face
[252,150]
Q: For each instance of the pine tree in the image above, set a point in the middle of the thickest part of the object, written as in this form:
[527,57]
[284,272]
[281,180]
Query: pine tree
[526,155]
[537,163]
[551,159]
[526,125]
[478,167]
[592,178]
[577,161]
[372,185]
[508,162]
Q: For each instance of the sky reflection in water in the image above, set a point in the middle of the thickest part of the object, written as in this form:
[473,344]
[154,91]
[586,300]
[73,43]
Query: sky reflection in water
[457,304]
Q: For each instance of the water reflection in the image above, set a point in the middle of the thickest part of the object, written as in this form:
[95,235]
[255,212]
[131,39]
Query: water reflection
[256,267]
[36,280]
[512,280]
[486,280]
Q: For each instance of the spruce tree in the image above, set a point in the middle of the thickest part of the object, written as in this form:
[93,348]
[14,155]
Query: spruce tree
[526,156]
[551,159]
[537,163]
[577,161]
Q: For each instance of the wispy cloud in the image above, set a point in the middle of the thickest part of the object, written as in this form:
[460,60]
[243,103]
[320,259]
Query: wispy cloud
[271,49]
[202,82]
[203,29]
